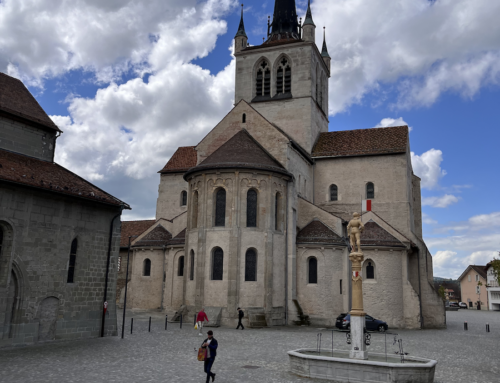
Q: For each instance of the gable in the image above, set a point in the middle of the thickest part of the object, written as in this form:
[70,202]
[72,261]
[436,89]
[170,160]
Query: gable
[261,130]
[133,228]
[375,235]
[317,232]
[157,237]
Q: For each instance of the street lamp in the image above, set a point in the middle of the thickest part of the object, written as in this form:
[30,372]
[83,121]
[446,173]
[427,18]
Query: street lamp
[126,285]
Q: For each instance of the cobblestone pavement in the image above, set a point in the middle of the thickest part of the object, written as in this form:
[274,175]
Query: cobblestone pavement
[169,356]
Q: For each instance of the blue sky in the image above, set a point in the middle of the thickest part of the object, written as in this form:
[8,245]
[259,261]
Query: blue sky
[129,82]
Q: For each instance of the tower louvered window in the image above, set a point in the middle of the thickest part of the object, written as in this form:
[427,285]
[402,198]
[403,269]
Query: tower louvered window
[313,270]
[250,265]
[263,83]
[72,261]
[218,264]
[252,208]
[334,193]
[220,208]
[180,269]
[184,198]
[284,77]
[370,190]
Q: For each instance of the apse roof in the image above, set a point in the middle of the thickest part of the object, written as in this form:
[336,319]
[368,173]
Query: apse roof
[317,232]
[362,142]
[240,151]
[16,100]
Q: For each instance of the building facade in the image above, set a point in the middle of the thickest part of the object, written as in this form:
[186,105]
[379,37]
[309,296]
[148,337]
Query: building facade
[59,234]
[492,288]
[265,198]
[473,282]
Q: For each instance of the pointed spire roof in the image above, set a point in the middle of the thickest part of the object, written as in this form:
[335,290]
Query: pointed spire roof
[240,151]
[324,51]
[309,19]
[241,28]
[285,20]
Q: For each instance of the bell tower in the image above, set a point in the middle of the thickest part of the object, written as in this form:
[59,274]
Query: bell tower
[286,77]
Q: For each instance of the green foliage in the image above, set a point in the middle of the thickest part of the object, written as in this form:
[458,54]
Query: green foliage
[442,292]
[495,264]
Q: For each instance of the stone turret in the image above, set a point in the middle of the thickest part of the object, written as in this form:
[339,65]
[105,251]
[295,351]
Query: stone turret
[309,28]
[324,51]
[241,38]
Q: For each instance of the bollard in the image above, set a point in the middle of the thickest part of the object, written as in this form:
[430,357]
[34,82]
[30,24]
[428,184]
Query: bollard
[149,324]
[166,320]
[487,327]
[131,324]
[466,327]
[194,324]
[181,320]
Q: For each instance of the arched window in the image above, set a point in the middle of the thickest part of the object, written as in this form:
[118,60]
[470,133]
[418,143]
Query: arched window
[263,84]
[194,222]
[244,118]
[370,190]
[220,207]
[334,193]
[370,271]
[284,77]
[313,270]
[277,212]
[146,268]
[72,261]
[191,270]
[217,264]
[180,267]
[250,266]
[252,208]
[184,198]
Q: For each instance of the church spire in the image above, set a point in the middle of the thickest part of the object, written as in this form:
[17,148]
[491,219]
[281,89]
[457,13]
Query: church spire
[241,28]
[309,19]
[324,51]
[285,23]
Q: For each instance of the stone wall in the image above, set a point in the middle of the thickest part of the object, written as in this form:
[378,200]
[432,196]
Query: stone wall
[146,291]
[21,138]
[169,201]
[40,227]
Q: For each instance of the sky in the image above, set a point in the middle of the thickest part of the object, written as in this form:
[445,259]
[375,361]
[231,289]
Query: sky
[130,81]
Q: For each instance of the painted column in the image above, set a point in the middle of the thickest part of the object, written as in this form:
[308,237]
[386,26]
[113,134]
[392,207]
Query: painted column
[357,313]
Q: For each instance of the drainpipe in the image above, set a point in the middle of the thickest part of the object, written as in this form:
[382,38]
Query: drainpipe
[286,260]
[164,277]
[107,268]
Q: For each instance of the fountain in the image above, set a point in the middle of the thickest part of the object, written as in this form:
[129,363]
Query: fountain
[357,365]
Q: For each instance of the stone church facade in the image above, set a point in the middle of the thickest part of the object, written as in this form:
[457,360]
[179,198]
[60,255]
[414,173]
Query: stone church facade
[59,234]
[255,215]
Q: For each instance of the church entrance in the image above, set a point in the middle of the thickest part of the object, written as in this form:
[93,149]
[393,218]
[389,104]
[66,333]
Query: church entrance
[48,319]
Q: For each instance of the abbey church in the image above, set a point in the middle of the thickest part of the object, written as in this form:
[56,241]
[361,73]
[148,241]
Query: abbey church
[255,214]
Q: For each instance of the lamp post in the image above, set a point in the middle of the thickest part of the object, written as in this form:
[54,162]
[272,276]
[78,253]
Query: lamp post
[126,285]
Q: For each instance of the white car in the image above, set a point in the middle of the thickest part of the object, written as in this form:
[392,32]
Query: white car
[462,305]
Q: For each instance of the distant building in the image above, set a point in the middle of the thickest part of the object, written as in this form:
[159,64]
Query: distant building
[492,288]
[474,295]
[59,234]
[451,289]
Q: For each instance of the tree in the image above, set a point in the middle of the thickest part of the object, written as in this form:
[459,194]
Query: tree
[495,265]
[442,292]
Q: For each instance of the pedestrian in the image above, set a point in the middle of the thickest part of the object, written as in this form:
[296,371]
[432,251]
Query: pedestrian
[211,345]
[241,314]
[200,318]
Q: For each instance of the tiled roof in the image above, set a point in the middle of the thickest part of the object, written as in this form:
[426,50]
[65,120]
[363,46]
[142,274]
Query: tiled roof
[184,158]
[50,176]
[16,99]
[240,151]
[318,232]
[132,228]
[480,269]
[375,235]
[285,40]
[179,239]
[159,236]
[362,142]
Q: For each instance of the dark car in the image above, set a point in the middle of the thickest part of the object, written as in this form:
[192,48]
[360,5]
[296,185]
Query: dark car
[454,304]
[371,323]
[338,321]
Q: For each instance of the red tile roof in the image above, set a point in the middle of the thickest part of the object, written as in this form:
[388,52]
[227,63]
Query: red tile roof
[184,158]
[16,100]
[362,142]
[50,176]
[133,228]
[318,232]
[375,235]
[157,237]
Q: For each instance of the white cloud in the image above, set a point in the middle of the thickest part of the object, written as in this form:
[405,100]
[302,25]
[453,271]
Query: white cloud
[443,201]
[428,167]
[387,122]
[436,46]
[480,257]
[443,258]
[485,220]
[428,220]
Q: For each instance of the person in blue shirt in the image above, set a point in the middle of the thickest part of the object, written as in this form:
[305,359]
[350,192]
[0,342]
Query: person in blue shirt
[211,345]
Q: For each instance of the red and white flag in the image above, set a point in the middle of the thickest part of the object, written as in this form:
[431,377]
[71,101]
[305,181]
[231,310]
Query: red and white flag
[367,205]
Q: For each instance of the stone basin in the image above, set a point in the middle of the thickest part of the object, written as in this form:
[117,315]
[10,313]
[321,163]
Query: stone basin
[336,366]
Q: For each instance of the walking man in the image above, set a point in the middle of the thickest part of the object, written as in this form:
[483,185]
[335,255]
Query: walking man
[211,345]
[200,318]
[241,314]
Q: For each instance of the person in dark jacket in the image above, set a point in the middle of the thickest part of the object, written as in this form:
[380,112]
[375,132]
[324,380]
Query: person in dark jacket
[241,314]
[211,345]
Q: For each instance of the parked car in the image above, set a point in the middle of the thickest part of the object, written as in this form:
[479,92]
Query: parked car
[371,323]
[338,321]
[454,304]
[462,305]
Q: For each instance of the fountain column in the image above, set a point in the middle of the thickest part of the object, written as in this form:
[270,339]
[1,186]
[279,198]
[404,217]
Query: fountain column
[358,351]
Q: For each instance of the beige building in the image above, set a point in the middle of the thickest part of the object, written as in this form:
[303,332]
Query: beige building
[255,215]
[473,282]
